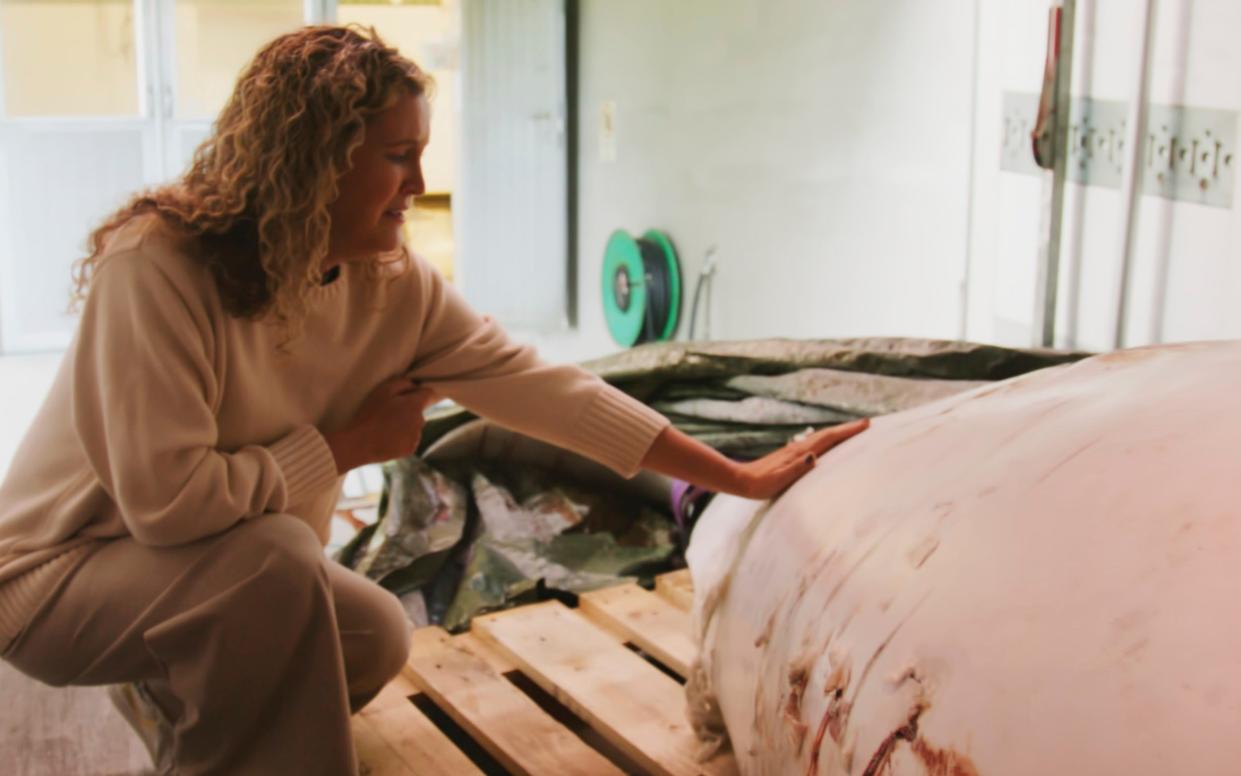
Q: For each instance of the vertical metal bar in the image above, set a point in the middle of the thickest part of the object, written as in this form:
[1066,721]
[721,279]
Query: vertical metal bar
[161,26]
[6,296]
[572,28]
[144,59]
[963,320]
[148,45]
[319,11]
[1131,183]
[1049,266]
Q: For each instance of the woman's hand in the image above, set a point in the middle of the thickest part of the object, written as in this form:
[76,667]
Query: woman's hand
[773,473]
[685,458]
[388,425]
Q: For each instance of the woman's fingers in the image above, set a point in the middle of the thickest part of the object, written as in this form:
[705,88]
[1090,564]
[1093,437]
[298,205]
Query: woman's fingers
[828,438]
[796,469]
[775,472]
[394,386]
[412,387]
[417,399]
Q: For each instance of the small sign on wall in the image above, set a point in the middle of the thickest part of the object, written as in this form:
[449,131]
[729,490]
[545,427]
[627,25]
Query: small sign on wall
[607,131]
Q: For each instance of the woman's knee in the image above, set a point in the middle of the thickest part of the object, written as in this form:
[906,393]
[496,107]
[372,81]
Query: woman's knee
[280,554]
[387,640]
[281,536]
[393,635]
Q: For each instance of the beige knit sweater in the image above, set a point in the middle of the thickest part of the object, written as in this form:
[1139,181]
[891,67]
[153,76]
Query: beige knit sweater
[170,420]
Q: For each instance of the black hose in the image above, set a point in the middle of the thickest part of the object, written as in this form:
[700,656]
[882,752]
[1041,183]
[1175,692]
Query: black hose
[658,291]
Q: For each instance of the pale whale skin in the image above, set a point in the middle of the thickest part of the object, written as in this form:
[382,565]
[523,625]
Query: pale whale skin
[1035,577]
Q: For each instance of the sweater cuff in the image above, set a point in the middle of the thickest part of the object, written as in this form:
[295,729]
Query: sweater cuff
[306,462]
[617,430]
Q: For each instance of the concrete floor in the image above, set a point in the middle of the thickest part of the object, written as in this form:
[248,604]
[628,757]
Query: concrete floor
[73,731]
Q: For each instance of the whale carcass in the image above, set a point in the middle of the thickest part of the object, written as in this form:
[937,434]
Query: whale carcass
[1033,577]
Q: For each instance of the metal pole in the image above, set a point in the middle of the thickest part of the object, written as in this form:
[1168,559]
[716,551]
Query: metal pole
[963,319]
[1049,267]
[1131,184]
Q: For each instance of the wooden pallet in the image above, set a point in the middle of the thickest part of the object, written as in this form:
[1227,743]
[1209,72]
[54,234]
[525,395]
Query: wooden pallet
[545,689]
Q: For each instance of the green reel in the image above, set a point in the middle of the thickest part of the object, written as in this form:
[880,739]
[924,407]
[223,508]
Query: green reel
[641,287]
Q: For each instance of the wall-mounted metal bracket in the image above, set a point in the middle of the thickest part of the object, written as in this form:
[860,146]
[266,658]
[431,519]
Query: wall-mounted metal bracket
[1189,153]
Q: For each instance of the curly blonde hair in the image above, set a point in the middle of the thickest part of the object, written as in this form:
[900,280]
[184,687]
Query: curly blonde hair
[256,195]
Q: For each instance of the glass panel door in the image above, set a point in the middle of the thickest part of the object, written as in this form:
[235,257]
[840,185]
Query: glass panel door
[94,75]
[118,106]
[75,142]
[428,33]
[209,43]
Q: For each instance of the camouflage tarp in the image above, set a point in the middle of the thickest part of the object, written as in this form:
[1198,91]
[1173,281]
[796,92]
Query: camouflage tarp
[676,371]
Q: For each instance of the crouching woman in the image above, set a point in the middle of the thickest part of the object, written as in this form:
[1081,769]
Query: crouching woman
[250,333]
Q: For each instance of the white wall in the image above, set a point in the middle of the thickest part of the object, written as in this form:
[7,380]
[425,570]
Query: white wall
[1186,277]
[823,146]
[828,149]
[24,382]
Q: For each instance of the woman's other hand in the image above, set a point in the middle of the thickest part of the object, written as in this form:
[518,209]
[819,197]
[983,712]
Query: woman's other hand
[387,426]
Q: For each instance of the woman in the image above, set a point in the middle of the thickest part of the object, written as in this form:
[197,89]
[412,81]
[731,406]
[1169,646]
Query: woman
[250,334]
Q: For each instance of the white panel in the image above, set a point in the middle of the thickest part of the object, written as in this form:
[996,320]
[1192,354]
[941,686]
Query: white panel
[511,207]
[59,183]
[1021,204]
[1010,210]
[1088,298]
[1185,275]
[186,139]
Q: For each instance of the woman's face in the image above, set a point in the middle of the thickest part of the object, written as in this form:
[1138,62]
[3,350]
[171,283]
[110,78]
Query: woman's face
[386,175]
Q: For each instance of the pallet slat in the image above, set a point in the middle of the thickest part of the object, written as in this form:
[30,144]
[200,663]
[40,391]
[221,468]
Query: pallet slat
[500,717]
[632,704]
[489,654]
[677,587]
[376,757]
[416,744]
[650,621]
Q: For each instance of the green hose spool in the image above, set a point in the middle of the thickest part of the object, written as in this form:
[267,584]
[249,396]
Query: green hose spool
[641,287]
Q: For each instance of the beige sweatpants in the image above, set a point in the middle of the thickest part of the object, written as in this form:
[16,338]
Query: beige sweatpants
[256,645]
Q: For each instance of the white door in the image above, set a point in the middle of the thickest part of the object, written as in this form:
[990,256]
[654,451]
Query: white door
[511,205]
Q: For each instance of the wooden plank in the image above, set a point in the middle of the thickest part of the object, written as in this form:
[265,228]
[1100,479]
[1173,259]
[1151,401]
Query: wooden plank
[489,654]
[677,587]
[497,715]
[396,693]
[376,757]
[632,704]
[415,740]
[648,620]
